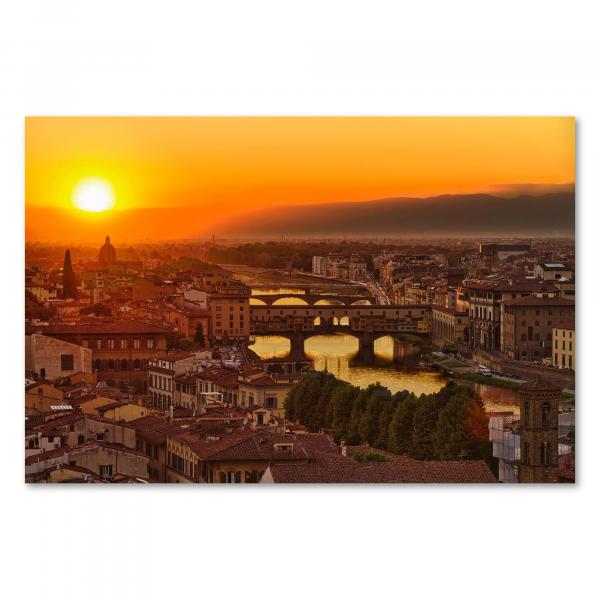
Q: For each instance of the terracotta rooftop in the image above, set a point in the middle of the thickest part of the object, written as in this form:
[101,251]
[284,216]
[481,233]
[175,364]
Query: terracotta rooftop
[329,468]
[537,301]
[565,325]
[510,286]
[539,385]
[123,326]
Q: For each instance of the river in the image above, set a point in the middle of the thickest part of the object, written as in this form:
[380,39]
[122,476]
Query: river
[338,354]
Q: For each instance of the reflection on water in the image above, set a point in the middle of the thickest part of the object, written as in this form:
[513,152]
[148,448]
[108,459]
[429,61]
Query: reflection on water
[271,346]
[338,355]
[335,353]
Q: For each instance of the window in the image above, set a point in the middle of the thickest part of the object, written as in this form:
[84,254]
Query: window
[66,362]
[84,343]
[80,440]
[123,344]
[150,344]
[105,470]
[136,344]
[98,344]
[545,453]
[111,344]
[545,415]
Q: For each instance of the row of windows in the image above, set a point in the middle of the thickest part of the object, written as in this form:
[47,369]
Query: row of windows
[563,345]
[566,362]
[123,344]
[119,365]
[160,382]
[370,313]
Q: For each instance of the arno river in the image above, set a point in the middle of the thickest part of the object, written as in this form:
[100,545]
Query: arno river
[337,354]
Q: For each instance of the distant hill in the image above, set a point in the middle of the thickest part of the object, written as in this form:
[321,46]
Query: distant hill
[475,214]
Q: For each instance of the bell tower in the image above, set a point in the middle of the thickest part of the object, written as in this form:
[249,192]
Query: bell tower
[539,432]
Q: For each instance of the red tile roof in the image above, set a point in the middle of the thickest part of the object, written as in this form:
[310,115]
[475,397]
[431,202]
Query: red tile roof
[110,327]
[537,301]
[331,467]
[566,325]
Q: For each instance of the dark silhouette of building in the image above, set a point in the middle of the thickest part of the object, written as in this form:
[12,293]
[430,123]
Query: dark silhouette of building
[107,255]
[69,279]
[539,432]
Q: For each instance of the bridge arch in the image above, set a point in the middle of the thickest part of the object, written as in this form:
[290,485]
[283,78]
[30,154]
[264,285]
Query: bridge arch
[291,301]
[329,302]
[257,302]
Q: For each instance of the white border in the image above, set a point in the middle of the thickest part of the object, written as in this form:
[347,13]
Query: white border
[298,58]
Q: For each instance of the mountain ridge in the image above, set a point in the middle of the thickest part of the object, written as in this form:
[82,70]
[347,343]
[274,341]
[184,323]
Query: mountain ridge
[466,214]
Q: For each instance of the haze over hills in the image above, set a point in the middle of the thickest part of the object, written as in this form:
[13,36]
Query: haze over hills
[551,214]
[476,214]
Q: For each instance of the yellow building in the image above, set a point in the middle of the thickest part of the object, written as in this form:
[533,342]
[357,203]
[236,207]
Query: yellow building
[43,396]
[256,388]
[563,345]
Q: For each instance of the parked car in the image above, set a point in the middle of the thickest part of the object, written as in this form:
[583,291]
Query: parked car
[482,370]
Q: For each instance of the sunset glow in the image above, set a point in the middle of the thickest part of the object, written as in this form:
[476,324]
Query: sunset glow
[93,195]
[222,168]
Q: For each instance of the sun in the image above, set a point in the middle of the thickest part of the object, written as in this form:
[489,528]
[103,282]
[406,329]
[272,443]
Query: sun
[93,194]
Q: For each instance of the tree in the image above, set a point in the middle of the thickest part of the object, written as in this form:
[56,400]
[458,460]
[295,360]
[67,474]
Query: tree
[341,403]
[401,426]
[462,428]
[425,421]
[69,280]
[377,398]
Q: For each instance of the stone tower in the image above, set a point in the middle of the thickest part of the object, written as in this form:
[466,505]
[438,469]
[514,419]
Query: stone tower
[539,432]
[69,280]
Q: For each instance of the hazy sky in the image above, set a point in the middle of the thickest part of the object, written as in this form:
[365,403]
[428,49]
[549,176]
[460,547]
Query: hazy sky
[234,164]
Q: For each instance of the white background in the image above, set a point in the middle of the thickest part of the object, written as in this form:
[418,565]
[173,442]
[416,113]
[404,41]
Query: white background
[298,58]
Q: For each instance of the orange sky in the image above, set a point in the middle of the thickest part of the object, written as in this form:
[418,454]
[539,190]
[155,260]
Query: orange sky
[248,162]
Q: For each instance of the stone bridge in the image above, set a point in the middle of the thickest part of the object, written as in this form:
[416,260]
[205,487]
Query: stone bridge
[313,299]
[365,322]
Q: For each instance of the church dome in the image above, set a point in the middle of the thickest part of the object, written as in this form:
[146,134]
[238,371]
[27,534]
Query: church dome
[107,255]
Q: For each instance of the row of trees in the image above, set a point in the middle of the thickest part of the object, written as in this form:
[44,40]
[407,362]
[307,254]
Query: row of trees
[448,425]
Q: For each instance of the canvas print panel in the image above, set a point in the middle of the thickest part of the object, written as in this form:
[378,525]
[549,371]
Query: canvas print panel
[300,300]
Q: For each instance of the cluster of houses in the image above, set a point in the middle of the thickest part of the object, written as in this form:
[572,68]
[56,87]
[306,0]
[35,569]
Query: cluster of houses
[508,299]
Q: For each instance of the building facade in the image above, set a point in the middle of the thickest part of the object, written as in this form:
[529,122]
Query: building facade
[563,345]
[120,349]
[528,323]
[230,311]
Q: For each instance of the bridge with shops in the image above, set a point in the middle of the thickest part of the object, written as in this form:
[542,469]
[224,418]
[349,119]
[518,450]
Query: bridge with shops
[365,322]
